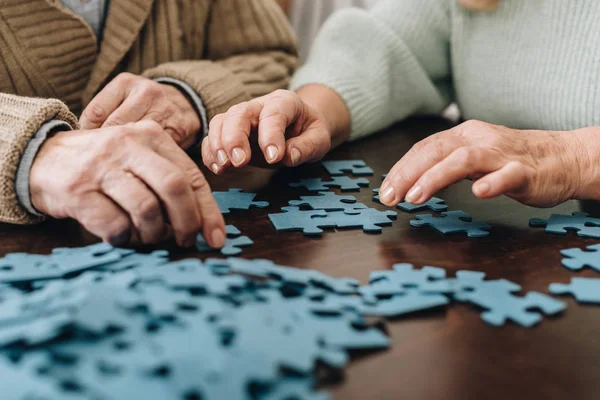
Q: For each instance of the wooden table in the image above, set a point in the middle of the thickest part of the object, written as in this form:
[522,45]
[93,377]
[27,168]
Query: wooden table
[449,354]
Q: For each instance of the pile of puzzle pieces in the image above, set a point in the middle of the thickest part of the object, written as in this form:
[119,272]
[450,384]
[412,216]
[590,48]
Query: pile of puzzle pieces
[99,322]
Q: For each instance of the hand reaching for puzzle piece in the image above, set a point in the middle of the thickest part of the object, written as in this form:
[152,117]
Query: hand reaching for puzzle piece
[539,168]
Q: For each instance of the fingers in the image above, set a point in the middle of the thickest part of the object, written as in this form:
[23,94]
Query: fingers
[213,155]
[106,101]
[281,110]
[464,162]
[139,202]
[235,134]
[103,218]
[133,109]
[420,158]
[183,189]
[310,146]
[510,178]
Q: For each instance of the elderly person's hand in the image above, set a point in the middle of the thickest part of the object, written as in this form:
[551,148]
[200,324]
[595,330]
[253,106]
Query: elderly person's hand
[132,98]
[538,168]
[287,129]
[125,182]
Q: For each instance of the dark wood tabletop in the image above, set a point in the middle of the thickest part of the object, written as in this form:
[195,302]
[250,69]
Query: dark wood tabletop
[448,354]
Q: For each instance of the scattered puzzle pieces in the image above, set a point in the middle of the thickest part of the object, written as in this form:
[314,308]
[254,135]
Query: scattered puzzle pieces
[433,204]
[345,183]
[328,201]
[582,223]
[235,199]
[585,290]
[453,222]
[233,243]
[355,167]
[576,258]
[370,219]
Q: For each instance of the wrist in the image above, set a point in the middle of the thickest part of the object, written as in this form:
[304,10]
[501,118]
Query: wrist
[331,107]
[583,148]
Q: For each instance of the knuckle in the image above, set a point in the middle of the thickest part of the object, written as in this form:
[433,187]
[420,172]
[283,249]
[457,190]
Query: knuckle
[148,208]
[197,180]
[471,127]
[465,155]
[95,113]
[150,88]
[126,77]
[239,110]
[174,183]
[216,121]
[149,127]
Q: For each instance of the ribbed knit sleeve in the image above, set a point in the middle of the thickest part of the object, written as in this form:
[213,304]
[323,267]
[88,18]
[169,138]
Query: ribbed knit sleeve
[387,63]
[251,51]
[20,118]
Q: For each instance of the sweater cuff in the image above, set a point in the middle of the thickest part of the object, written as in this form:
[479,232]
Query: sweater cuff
[197,103]
[24,169]
[218,87]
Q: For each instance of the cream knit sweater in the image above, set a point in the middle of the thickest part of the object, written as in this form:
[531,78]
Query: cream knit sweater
[529,64]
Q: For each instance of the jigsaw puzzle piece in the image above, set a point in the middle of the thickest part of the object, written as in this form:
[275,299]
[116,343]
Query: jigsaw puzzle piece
[453,222]
[433,204]
[581,222]
[190,274]
[295,389]
[339,167]
[136,260]
[344,183]
[585,290]
[409,301]
[310,222]
[235,199]
[19,383]
[503,306]
[328,201]
[370,219]
[576,258]
[233,243]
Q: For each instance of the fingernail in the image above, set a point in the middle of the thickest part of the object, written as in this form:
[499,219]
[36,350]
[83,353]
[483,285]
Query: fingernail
[387,194]
[271,153]
[218,238]
[414,194]
[238,155]
[295,156]
[215,168]
[222,157]
[482,188]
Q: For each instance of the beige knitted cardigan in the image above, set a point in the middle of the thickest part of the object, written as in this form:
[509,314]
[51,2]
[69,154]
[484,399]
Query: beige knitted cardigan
[227,50]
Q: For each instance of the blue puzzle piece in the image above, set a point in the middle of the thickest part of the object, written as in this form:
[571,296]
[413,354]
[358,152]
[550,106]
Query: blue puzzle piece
[453,222]
[295,389]
[405,278]
[370,219]
[233,243]
[309,222]
[20,383]
[135,260]
[410,301]
[433,204]
[576,258]
[339,167]
[582,223]
[235,199]
[503,305]
[585,290]
[328,201]
[343,182]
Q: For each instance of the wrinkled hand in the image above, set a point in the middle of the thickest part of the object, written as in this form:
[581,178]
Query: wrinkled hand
[538,168]
[287,130]
[125,182]
[132,98]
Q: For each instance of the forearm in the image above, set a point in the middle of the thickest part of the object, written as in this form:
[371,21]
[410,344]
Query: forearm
[20,119]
